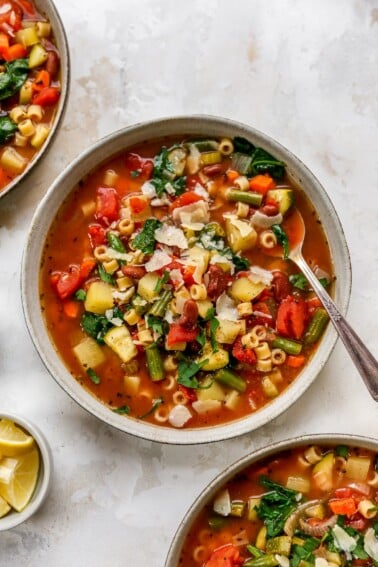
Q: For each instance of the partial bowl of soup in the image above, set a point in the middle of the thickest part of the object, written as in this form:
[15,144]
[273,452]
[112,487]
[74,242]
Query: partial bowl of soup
[156,284]
[34,77]
[310,501]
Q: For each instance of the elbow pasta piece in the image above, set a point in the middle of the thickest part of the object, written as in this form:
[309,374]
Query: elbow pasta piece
[35,112]
[101,253]
[126,226]
[124,283]
[26,127]
[263,351]
[245,308]
[131,317]
[268,239]
[110,266]
[20,140]
[278,356]
[242,210]
[264,365]
[18,114]
[242,183]
[259,331]
[226,147]
[313,454]
[367,508]
[170,363]
[110,177]
[161,414]
[374,481]
[250,341]
[199,554]
[41,133]
[198,292]
[169,382]
[179,398]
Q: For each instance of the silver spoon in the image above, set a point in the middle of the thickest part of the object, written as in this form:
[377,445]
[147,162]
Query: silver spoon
[364,361]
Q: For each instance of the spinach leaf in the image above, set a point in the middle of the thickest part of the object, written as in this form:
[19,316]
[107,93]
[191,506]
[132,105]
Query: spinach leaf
[96,326]
[163,166]
[104,276]
[187,372]
[159,185]
[115,242]
[210,314]
[242,145]
[201,339]
[135,173]
[155,405]
[145,240]
[80,295]
[179,185]
[276,505]
[159,326]
[282,239]
[342,451]
[7,129]
[299,281]
[214,324]
[93,376]
[122,410]
[263,162]
[13,78]
[239,262]
[304,552]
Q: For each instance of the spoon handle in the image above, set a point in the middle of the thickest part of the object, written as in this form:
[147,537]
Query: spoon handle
[365,362]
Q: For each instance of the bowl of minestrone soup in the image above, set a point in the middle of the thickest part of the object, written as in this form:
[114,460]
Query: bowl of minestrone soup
[34,73]
[156,284]
[307,501]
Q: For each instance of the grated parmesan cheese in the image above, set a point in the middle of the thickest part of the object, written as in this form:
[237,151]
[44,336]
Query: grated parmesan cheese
[225,308]
[158,260]
[172,236]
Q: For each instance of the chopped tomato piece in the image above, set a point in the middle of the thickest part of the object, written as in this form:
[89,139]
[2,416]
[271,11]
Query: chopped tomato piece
[226,556]
[107,204]
[15,51]
[48,96]
[187,274]
[4,42]
[343,506]
[189,393]
[97,235]
[261,183]
[147,168]
[343,493]
[133,162]
[185,199]
[42,80]
[178,334]
[68,282]
[242,353]
[291,317]
[357,521]
[86,267]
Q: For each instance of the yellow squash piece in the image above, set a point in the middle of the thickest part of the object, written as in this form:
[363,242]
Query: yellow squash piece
[99,298]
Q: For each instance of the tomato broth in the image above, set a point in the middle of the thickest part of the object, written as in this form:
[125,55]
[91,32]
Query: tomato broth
[164,287]
[308,506]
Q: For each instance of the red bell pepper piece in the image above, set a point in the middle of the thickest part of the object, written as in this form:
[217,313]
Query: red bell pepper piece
[291,317]
[226,556]
[178,334]
[107,205]
[48,96]
[185,199]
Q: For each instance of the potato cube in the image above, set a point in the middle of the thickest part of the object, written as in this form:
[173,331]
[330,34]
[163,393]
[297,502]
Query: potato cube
[147,285]
[227,331]
[211,390]
[89,353]
[99,298]
[240,234]
[243,289]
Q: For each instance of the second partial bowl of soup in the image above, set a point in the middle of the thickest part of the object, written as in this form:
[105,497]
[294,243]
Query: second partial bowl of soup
[154,284]
[310,501]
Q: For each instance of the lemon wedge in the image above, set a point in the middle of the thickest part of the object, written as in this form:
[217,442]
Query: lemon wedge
[13,440]
[4,507]
[21,484]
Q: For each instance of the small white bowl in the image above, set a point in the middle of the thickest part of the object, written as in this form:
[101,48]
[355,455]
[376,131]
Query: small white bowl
[14,518]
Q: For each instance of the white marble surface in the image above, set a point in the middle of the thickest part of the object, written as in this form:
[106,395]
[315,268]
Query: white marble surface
[305,73]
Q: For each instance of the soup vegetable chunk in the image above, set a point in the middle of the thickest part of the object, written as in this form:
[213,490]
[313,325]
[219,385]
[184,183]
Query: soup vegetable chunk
[29,85]
[166,286]
[308,507]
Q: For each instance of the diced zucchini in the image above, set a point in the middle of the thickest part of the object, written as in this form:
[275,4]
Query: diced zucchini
[26,92]
[89,353]
[215,360]
[280,544]
[38,56]
[298,483]
[253,503]
[227,331]
[206,145]
[211,390]
[177,157]
[240,234]
[147,285]
[99,297]
[243,289]
[120,341]
[283,197]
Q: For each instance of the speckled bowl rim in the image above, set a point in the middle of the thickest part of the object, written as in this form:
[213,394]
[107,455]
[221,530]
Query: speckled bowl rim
[198,125]
[331,439]
[13,518]
[47,8]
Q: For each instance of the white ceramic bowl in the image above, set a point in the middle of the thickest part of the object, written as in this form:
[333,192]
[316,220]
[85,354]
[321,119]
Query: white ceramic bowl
[14,518]
[47,8]
[215,485]
[100,152]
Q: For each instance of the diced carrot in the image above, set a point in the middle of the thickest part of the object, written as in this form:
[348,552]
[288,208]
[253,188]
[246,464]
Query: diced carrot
[295,361]
[261,183]
[86,266]
[4,42]
[42,80]
[137,205]
[232,174]
[15,51]
[344,506]
[71,309]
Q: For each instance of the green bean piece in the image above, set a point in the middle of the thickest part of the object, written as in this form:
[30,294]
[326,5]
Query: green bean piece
[159,307]
[115,242]
[289,346]
[316,326]
[230,379]
[263,561]
[253,550]
[244,197]
[154,363]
